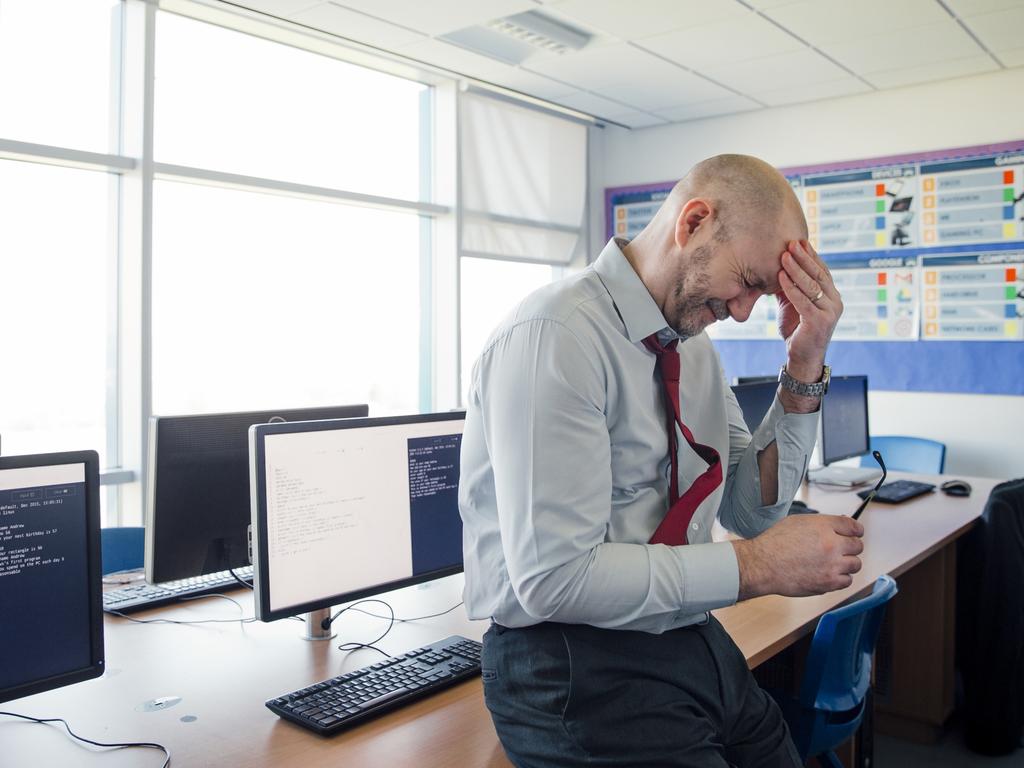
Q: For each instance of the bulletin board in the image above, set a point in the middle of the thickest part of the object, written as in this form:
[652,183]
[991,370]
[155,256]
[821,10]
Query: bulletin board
[927,251]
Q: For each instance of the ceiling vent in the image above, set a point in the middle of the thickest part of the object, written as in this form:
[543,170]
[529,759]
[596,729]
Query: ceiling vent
[513,39]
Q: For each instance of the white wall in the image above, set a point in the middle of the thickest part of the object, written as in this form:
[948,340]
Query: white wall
[984,434]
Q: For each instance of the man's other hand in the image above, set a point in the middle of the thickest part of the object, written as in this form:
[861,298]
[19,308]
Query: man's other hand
[800,555]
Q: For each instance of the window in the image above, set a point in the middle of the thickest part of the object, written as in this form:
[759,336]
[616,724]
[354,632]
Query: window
[56,72]
[237,103]
[55,253]
[490,289]
[263,301]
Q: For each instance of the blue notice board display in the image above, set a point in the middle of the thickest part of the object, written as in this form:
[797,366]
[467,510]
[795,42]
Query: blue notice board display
[927,251]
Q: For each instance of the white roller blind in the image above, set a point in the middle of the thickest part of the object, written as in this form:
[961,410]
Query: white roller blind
[524,176]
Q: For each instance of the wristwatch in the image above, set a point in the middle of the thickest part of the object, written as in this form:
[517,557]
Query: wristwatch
[817,389]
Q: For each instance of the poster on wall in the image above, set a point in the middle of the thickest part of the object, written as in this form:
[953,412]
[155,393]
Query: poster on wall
[876,222]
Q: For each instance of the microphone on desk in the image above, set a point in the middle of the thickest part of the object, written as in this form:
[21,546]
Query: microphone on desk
[878,457]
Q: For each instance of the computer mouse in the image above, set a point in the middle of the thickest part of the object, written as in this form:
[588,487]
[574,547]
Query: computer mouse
[956,488]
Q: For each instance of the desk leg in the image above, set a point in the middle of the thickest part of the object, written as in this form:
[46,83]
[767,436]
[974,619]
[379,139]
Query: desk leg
[915,657]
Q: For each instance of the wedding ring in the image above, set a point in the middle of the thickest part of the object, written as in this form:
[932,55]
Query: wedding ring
[820,294]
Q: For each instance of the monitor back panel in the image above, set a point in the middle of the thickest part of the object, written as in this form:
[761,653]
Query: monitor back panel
[198,510]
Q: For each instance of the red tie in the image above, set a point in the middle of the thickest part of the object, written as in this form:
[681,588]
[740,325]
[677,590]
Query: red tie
[673,528]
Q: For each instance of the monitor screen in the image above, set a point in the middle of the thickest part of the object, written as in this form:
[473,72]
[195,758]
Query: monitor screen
[198,510]
[50,607]
[755,398]
[844,419]
[346,509]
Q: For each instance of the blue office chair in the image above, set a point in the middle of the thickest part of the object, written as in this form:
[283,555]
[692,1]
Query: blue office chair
[908,454]
[837,676]
[121,548]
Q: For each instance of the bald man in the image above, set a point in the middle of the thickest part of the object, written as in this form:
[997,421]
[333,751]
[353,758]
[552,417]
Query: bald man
[591,480]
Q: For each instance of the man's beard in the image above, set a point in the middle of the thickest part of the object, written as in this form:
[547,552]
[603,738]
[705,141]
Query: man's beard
[692,298]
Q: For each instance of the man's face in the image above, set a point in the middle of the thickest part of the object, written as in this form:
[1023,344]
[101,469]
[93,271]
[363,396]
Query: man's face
[724,278]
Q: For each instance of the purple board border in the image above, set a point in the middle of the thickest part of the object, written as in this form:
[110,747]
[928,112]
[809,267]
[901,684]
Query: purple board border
[845,165]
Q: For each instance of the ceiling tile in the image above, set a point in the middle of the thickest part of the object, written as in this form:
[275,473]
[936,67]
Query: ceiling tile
[967,8]
[642,18]
[943,70]
[846,86]
[789,70]
[727,106]
[595,67]
[764,4]
[1000,31]
[280,8]
[439,16]
[356,26]
[903,49]
[658,93]
[823,21]
[637,119]
[455,59]
[1012,58]
[747,37]
[535,85]
[592,104]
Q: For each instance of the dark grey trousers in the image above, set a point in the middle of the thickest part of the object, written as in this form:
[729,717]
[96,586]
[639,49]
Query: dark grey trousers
[573,695]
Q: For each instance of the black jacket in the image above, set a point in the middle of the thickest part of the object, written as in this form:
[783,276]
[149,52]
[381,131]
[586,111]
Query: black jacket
[990,623]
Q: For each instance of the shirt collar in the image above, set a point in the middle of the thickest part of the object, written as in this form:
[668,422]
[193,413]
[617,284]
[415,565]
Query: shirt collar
[634,303]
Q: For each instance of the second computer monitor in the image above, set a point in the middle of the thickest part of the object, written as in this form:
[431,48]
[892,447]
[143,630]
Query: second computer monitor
[755,398]
[197,511]
[346,509]
[844,419]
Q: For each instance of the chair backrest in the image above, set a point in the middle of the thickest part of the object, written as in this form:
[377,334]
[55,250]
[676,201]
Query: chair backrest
[838,671]
[908,454]
[122,548]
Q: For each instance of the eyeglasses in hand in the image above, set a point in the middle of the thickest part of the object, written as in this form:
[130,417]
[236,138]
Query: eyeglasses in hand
[870,496]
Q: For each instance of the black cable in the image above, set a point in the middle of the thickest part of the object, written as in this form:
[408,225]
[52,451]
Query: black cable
[357,646]
[113,745]
[414,618]
[239,579]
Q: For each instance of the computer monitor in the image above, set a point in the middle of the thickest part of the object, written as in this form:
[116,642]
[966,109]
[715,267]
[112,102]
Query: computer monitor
[844,419]
[346,509]
[198,509]
[51,615]
[755,398]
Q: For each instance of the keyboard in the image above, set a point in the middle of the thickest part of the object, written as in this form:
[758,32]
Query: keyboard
[899,490]
[341,702]
[136,597]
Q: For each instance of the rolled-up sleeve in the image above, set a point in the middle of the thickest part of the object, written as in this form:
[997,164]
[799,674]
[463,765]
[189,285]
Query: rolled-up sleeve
[794,435]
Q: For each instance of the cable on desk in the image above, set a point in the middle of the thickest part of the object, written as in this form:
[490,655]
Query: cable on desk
[244,620]
[391,623]
[112,745]
[239,579]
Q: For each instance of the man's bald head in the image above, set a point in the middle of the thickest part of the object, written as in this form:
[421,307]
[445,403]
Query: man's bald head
[747,193]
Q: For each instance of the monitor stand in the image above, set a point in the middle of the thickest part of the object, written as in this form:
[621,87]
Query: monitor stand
[845,476]
[313,623]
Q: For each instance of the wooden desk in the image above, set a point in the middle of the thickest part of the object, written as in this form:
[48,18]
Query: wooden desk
[224,672]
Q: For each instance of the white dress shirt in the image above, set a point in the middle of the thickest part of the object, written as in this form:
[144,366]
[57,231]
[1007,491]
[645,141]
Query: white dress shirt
[564,470]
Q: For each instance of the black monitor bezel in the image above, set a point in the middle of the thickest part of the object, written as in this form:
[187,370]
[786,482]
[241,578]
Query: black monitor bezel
[867,432]
[156,559]
[91,462]
[257,474]
[763,384]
